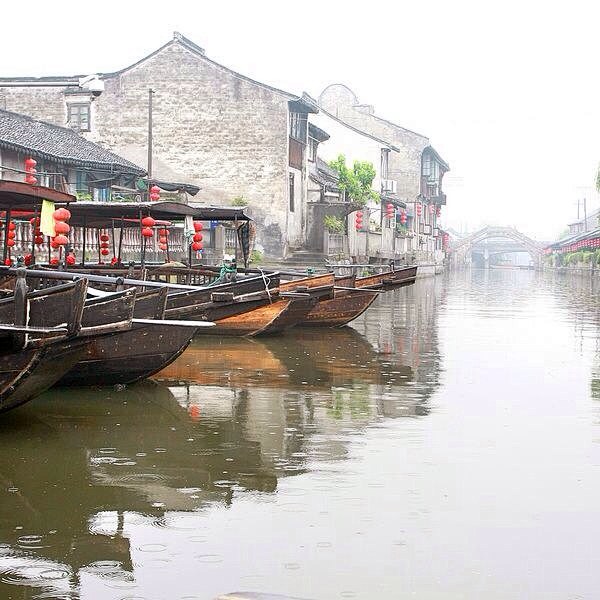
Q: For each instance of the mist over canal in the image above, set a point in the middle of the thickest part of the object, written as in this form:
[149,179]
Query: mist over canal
[445,446]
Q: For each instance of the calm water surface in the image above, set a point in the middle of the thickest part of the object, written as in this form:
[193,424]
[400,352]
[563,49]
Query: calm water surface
[445,446]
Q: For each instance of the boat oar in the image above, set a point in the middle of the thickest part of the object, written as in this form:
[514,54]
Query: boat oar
[173,322]
[349,289]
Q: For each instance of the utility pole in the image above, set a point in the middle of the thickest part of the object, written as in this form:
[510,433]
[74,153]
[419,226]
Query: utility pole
[584,215]
[150,93]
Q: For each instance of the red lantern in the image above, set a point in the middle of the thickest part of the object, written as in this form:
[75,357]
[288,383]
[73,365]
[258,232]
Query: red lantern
[113,260]
[11,226]
[39,240]
[438,211]
[70,259]
[61,240]
[147,232]
[163,247]
[197,237]
[54,261]
[34,221]
[104,238]
[10,243]
[419,208]
[162,239]
[163,232]
[104,251]
[154,193]
[7,262]
[196,246]
[11,235]
[198,226]
[28,259]
[30,171]
[403,218]
[61,214]
[61,227]
[389,209]
[148,222]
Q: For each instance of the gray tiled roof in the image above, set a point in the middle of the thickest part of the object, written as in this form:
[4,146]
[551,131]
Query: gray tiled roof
[58,144]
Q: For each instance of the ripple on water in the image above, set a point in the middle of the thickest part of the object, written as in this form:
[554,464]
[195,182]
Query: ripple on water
[30,542]
[32,573]
[209,558]
[152,548]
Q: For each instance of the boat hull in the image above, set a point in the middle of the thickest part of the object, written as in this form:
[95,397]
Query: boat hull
[340,310]
[129,356]
[28,373]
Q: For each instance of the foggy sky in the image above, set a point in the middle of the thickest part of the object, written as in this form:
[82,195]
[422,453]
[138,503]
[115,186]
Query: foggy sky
[508,92]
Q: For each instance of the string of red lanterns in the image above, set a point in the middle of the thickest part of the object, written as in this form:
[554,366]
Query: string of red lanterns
[30,171]
[197,238]
[358,220]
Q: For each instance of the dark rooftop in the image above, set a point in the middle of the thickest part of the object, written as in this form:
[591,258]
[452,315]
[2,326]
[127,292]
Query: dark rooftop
[59,144]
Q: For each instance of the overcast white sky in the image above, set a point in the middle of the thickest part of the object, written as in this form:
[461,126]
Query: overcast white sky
[508,92]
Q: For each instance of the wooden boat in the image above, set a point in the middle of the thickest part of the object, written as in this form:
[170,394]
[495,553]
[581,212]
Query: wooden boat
[138,352]
[337,307]
[384,281]
[33,357]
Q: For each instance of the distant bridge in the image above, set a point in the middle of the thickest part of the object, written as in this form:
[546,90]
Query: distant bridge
[495,240]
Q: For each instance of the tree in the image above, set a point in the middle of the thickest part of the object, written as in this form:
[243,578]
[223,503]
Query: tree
[356,182]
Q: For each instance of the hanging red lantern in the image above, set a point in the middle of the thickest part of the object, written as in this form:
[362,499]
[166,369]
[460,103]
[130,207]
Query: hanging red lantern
[154,193]
[419,209]
[403,217]
[11,235]
[10,243]
[198,226]
[113,260]
[39,240]
[438,211]
[148,221]
[104,251]
[197,237]
[163,232]
[104,238]
[358,220]
[61,214]
[147,232]
[163,247]
[11,226]
[7,262]
[389,209]
[70,259]
[54,261]
[30,171]
[34,221]
[196,246]
[61,227]
[61,240]
[162,239]
[28,259]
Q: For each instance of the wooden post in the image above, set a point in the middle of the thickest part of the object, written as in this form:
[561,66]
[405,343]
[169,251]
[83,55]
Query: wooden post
[6,222]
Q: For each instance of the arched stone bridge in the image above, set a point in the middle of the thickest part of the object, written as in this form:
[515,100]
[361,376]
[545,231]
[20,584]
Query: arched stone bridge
[461,249]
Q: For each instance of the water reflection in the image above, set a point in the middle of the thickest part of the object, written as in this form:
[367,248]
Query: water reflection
[103,488]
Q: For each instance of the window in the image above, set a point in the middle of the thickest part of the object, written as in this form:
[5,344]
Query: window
[78,116]
[298,126]
[385,156]
[291,192]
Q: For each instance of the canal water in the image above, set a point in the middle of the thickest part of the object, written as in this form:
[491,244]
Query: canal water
[445,446]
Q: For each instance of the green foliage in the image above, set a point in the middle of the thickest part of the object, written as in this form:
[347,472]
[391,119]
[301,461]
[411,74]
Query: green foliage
[256,257]
[333,224]
[84,196]
[356,182]
[239,201]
